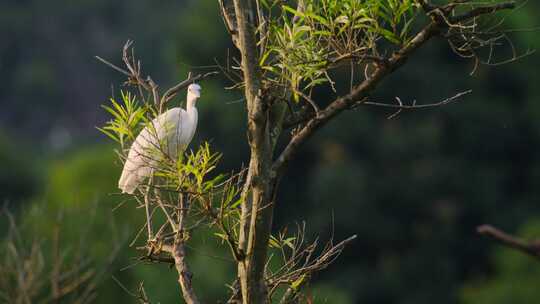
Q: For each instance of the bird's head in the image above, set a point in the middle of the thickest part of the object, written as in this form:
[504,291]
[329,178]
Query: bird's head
[194,91]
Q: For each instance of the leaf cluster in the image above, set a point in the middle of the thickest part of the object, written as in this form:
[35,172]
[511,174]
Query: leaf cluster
[127,118]
[303,44]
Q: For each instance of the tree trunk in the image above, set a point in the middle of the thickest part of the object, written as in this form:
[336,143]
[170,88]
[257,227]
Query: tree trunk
[257,206]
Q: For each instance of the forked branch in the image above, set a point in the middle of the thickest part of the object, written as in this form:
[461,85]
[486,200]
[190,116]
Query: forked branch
[359,93]
[145,85]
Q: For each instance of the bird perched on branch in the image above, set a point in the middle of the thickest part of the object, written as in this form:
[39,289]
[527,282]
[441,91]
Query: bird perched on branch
[167,135]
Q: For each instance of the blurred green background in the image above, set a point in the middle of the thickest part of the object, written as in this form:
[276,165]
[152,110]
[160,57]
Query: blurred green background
[413,188]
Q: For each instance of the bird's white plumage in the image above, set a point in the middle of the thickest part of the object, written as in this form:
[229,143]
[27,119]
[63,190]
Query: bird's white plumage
[167,135]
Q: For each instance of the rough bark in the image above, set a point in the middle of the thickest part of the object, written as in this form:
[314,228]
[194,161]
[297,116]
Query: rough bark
[184,275]
[257,207]
[178,252]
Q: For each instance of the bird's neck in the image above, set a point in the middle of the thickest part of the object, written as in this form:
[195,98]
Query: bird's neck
[190,104]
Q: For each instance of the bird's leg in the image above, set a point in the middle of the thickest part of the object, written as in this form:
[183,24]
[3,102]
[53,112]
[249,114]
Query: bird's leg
[147,206]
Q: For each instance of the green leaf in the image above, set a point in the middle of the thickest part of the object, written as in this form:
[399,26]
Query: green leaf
[292,11]
[298,282]
[236,204]
[390,36]
[273,242]
[342,19]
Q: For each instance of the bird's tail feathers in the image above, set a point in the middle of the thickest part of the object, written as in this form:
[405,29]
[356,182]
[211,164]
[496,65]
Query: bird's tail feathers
[129,181]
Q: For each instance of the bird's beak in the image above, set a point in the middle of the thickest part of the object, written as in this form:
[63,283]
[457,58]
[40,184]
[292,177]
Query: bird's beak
[197,94]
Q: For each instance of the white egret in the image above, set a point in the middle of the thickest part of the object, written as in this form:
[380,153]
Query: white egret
[170,133]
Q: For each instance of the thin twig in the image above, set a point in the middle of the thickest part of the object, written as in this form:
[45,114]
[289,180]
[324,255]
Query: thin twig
[401,106]
[113,66]
[170,93]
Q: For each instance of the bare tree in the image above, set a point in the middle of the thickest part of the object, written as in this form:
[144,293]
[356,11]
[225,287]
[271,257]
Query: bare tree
[286,49]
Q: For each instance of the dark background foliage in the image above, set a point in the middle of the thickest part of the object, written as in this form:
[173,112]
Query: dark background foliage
[413,188]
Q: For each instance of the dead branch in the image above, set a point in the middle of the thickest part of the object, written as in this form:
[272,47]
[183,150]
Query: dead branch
[133,71]
[140,295]
[228,15]
[300,262]
[531,248]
